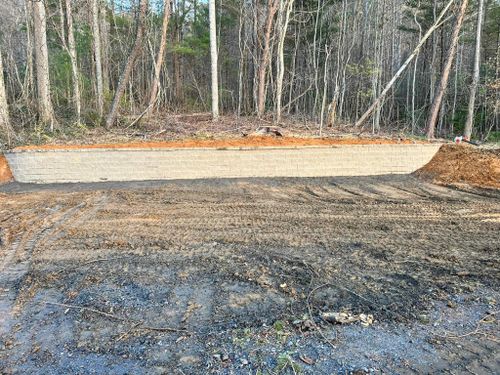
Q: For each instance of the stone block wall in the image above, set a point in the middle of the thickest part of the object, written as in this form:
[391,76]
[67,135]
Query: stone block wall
[94,165]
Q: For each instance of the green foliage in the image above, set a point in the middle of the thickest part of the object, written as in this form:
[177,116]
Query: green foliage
[366,69]
[459,120]
[279,325]
[83,40]
[494,137]
[197,42]
[242,337]
[91,118]
[424,9]
[185,49]
[60,70]
[39,134]
[285,361]
[461,117]
[122,23]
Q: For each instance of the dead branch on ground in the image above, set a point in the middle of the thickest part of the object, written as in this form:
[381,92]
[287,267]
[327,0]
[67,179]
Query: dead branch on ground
[140,324]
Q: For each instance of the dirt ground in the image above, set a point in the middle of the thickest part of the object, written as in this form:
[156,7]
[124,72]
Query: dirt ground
[240,276]
[249,141]
[462,164]
[5,173]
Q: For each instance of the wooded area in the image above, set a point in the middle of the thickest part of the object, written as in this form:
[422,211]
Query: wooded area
[420,67]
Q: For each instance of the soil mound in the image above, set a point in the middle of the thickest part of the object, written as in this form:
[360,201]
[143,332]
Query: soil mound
[5,173]
[460,164]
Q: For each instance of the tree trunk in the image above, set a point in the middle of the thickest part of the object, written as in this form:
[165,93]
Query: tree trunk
[413,86]
[97,56]
[432,65]
[284,18]
[315,54]
[436,103]
[73,58]
[332,108]
[104,29]
[28,85]
[177,57]
[241,62]
[475,75]
[325,88]
[6,131]
[159,59]
[272,7]
[45,108]
[213,58]
[122,82]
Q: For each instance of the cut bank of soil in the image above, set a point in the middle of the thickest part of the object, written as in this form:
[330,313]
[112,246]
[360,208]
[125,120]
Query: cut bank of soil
[457,164]
[5,173]
[250,141]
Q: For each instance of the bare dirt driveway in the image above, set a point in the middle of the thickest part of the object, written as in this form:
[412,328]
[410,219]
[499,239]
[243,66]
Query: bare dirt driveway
[244,277]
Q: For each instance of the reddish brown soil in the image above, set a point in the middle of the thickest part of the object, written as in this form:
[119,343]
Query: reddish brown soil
[5,173]
[457,164]
[250,141]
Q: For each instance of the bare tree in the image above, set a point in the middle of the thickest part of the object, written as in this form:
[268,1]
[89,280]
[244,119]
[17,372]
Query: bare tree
[213,58]
[475,74]
[161,54]
[285,9]
[413,86]
[438,98]
[45,108]
[332,107]
[5,126]
[29,79]
[136,49]
[325,88]
[104,32]
[241,62]
[272,7]
[437,24]
[97,57]
[73,58]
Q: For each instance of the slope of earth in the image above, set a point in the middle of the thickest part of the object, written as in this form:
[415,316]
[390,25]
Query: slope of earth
[460,164]
[5,173]
[234,276]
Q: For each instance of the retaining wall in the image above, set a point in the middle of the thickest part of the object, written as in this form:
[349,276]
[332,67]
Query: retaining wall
[93,165]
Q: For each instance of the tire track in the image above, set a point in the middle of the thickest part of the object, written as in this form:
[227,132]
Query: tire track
[13,272]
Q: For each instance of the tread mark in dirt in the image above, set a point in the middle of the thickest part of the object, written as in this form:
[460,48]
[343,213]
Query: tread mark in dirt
[343,188]
[13,274]
[88,209]
[412,192]
[214,260]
